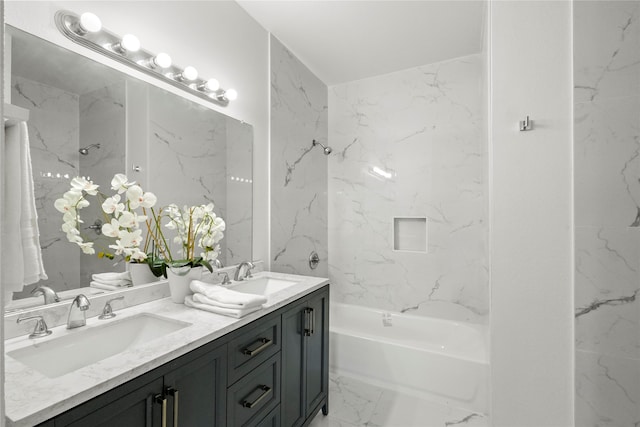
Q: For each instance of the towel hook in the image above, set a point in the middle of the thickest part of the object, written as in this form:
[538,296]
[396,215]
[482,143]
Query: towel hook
[526,124]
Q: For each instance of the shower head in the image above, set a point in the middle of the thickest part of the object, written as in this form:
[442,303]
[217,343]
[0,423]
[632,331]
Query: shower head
[84,151]
[327,150]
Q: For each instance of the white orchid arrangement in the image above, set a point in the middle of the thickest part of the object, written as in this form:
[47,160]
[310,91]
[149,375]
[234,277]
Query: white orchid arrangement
[196,226]
[123,222]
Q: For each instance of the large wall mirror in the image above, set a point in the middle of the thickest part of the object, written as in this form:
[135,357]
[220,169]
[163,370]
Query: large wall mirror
[87,119]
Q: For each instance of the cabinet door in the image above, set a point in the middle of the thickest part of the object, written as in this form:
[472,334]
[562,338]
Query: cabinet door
[316,352]
[134,409]
[196,391]
[292,402]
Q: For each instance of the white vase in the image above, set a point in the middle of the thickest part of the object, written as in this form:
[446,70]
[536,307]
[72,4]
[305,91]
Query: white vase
[179,280]
[140,273]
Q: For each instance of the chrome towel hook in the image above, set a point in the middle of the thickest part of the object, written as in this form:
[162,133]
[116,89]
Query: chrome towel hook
[526,124]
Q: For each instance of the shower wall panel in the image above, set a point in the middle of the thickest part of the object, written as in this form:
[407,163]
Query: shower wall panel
[298,171]
[607,212]
[411,144]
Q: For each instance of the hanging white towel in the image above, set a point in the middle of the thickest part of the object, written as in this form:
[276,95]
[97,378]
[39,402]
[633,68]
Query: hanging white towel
[31,250]
[21,251]
[237,313]
[12,257]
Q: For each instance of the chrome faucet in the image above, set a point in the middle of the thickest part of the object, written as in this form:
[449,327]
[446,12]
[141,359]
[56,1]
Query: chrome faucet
[80,319]
[225,278]
[40,330]
[107,311]
[247,275]
[49,294]
[217,263]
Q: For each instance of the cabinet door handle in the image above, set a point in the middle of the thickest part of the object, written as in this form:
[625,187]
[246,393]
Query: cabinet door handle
[265,392]
[262,343]
[307,322]
[176,401]
[162,400]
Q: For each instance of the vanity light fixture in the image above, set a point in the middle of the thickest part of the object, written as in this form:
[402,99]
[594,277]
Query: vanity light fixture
[86,30]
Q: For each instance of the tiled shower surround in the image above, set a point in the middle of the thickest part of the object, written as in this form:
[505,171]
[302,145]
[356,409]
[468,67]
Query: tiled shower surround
[298,171]
[607,212]
[410,144]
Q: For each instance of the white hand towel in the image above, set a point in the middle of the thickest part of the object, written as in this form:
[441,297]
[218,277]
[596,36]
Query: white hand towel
[13,263]
[31,250]
[115,282]
[203,299]
[99,285]
[109,276]
[237,313]
[227,296]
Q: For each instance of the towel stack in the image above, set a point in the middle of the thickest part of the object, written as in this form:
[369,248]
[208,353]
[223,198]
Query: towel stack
[111,281]
[220,300]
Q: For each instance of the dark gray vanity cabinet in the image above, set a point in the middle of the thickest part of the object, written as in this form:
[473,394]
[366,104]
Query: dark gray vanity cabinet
[271,372]
[305,359]
[189,391]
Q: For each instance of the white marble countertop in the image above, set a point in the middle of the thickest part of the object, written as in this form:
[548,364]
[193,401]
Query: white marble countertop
[31,398]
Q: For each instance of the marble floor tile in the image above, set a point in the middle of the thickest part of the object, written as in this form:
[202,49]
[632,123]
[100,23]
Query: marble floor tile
[355,403]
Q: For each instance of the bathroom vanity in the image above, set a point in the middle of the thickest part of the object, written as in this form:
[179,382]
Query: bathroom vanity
[267,369]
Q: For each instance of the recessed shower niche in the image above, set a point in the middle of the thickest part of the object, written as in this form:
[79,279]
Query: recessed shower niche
[410,234]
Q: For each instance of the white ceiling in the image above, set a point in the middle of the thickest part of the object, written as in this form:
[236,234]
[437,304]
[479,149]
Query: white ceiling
[342,41]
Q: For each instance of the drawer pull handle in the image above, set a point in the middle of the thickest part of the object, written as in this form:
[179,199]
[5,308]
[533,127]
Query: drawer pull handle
[163,400]
[176,399]
[265,392]
[262,343]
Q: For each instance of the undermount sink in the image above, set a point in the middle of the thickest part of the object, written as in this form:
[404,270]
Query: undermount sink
[262,285]
[59,356]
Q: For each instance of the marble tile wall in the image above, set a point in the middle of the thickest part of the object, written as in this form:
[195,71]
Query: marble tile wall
[238,234]
[410,144]
[298,172]
[102,121]
[53,137]
[607,212]
[187,154]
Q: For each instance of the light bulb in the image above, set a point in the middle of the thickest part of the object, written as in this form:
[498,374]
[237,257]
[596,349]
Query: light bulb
[189,73]
[88,23]
[209,86]
[162,60]
[130,43]
[231,94]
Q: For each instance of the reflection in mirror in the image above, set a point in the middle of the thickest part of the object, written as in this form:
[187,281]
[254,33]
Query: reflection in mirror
[89,120]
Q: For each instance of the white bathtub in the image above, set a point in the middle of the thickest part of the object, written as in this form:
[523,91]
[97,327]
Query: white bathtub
[442,360]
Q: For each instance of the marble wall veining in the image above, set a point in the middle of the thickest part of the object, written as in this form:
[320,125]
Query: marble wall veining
[102,121]
[190,141]
[607,212]
[298,171]
[410,144]
[53,138]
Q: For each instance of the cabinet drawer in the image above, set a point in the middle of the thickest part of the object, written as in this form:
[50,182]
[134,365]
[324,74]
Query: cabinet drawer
[255,395]
[252,347]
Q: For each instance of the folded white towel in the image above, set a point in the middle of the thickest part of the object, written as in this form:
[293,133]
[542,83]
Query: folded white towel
[100,285]
[110,276]
[117,282]
[237,313]
[227,296]
[203,299]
